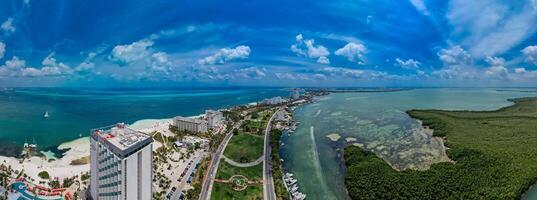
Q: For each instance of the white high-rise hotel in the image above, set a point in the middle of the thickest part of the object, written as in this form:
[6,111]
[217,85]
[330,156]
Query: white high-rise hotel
[121,162]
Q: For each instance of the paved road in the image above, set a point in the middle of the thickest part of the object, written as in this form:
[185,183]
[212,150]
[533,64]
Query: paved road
[213,167]
[238,164]
[268,182]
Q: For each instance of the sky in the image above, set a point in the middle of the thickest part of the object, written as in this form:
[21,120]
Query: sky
[360,43]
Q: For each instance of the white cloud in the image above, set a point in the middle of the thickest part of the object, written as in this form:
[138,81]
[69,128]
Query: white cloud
[291,76]
[132,52]
[457,64]
[15,67]
[495,61]
[2,49]
[490,27]
[307,48]
[407,64]
[141,53]
[420,73]
[531,54]
[420,6]
[160,62]
[354,52]
[520,70]
[7,26]
[251,72]
[498,69]
[226,54]
[368,19]
[454,56]
[323,60]
[352,73]
[521,74]
[85,67]
[499,72]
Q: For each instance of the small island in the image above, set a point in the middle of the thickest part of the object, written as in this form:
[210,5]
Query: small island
[494,156]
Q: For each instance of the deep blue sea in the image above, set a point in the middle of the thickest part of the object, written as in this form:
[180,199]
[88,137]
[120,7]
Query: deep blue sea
[73,112]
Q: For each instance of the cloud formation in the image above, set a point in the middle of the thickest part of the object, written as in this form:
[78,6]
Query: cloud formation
[497,69]
[407,64]
[420,6]
[530,52]
[16,67]
[456,63]
[132,52]
[2,49]
[141,52]
[354,52]
[307,48]
[454,56]
[7,26]
[490,27]
[226,54]
[251,72]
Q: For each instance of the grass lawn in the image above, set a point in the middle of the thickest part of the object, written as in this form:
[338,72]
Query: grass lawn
[223,191]
[495,154]
[244,148]
[225,171]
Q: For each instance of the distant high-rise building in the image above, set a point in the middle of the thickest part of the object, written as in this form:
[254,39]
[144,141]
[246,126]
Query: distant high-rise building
[274,100]
[214,118]
[121,164]
[295,94]
[190,124]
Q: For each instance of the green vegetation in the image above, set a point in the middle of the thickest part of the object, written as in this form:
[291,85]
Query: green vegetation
[233,115]
[157,136]
[222,191]
[54,184]
[81,161]
[226,191]
[277,172]
[43,175]
[225,171]
[244,147]
[495,154]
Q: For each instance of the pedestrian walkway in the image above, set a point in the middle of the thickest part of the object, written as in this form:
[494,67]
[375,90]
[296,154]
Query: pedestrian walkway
[238,164]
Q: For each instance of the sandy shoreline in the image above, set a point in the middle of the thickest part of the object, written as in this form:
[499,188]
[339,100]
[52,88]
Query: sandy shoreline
[60,168]
[78,148]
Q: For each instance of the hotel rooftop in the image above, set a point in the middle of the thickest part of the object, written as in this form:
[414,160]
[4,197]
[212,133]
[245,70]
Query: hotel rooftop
[121,139]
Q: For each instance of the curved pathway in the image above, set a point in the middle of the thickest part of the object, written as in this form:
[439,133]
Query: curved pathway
[238,164]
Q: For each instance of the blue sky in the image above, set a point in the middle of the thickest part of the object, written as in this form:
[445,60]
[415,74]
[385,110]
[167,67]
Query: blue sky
[268,43]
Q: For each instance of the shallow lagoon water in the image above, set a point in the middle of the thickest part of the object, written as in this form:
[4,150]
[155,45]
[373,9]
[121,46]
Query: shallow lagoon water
[379,123]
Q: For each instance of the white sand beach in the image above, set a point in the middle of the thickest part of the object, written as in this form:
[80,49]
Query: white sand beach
[60,168]
[79,148]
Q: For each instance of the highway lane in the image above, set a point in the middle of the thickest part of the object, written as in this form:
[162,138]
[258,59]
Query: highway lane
[213,167]
[268,183]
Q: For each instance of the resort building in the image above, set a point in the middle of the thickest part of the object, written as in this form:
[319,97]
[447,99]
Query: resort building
[121,164]
[214,118]
[295,94]
[274,101]
[190,124]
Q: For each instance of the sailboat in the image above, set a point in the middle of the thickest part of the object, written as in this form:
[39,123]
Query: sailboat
[46,115]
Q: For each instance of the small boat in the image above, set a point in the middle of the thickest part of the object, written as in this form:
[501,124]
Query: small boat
[46,115]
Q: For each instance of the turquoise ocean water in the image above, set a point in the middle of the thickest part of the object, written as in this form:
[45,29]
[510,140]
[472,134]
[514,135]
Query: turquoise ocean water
[379,123]
[72,112]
